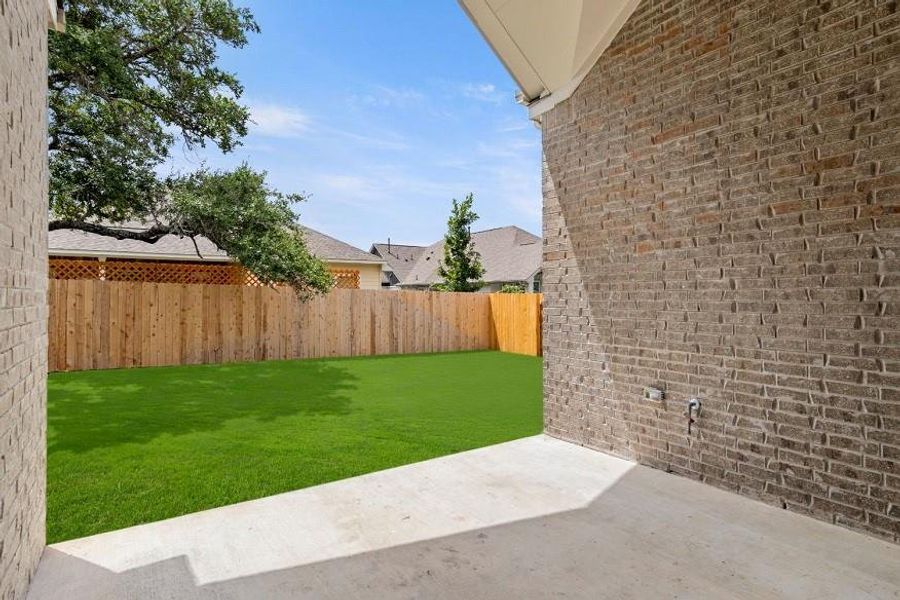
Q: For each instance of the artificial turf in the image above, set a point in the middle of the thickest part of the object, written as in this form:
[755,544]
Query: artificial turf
[133,446]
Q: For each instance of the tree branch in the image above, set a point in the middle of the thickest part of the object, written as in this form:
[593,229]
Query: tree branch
[196,247]
[151,235]
[151,49]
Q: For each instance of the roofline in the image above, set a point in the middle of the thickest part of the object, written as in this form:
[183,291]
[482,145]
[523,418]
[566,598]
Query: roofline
[486,281]
[179,257]
[356,261]
[352,262]
[505,227]
[398,245]
[137,255]
[306,228]
[435,246]
[442,239]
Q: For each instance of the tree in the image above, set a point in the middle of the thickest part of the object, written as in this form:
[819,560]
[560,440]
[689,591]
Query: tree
[130,78]
[461,268]
[512,288]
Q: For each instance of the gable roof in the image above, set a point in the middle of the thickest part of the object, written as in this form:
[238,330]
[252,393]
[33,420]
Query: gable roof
[507,253]
[334,250]
[71,242]
[400,258]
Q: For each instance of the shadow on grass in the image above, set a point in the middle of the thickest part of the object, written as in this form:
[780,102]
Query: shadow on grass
[100,409]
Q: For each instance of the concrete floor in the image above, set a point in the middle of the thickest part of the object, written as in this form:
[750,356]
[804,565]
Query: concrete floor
[533,518]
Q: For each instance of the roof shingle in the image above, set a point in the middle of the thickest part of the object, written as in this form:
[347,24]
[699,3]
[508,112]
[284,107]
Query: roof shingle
[70,242]
[400,258]
[507,253]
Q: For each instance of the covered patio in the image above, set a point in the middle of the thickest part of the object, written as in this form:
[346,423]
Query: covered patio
[535,517]
[721,228]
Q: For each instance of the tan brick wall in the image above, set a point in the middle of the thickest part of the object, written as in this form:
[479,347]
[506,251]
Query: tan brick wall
[722,219]
[23,286]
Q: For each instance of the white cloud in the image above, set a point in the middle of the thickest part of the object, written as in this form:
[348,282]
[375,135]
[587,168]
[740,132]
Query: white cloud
[519,187]
[350,186]
[504,175]
[385,96]
[504,171]
[366,182]
[513,148]
[370,186]
[514,125]
[284,121]
[382,141]
[278,120]
[483,92]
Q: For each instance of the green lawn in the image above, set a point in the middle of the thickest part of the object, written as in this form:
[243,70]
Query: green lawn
[132,446]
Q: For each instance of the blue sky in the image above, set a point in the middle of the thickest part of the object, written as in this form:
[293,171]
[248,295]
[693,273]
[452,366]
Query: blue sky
[382,112]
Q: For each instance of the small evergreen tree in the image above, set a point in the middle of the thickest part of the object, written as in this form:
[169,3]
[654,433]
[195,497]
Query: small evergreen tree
[461,269]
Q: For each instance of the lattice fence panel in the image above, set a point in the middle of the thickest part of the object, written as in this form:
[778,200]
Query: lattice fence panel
[172,272]
[151,271]
[64,268]
[346,278]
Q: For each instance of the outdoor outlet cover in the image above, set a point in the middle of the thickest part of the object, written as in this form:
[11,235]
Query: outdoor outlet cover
[652,393]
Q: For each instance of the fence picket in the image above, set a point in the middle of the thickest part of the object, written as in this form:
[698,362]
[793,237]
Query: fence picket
[96,324]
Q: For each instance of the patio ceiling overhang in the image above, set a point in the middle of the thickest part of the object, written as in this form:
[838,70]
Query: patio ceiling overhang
[548,47]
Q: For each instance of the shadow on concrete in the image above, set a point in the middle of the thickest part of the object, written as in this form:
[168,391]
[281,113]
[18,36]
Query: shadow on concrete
[108,408]
[649,535]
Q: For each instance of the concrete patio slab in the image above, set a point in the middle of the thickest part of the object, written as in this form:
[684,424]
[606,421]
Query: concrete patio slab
[533,518]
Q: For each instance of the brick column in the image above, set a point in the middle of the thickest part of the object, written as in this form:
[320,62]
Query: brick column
[23,290]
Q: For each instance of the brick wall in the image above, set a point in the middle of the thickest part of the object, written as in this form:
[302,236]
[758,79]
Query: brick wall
[23,285]
[722,219]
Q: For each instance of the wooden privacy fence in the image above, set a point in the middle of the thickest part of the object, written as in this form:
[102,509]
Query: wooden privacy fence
[112,324]
[516,320]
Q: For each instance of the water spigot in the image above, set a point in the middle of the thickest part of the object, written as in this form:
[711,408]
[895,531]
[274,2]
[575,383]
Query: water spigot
[693,408]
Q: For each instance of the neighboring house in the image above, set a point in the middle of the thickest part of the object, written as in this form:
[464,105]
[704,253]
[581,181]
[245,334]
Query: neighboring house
[509,255]
[399,259]
[173,259]
[721,185]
